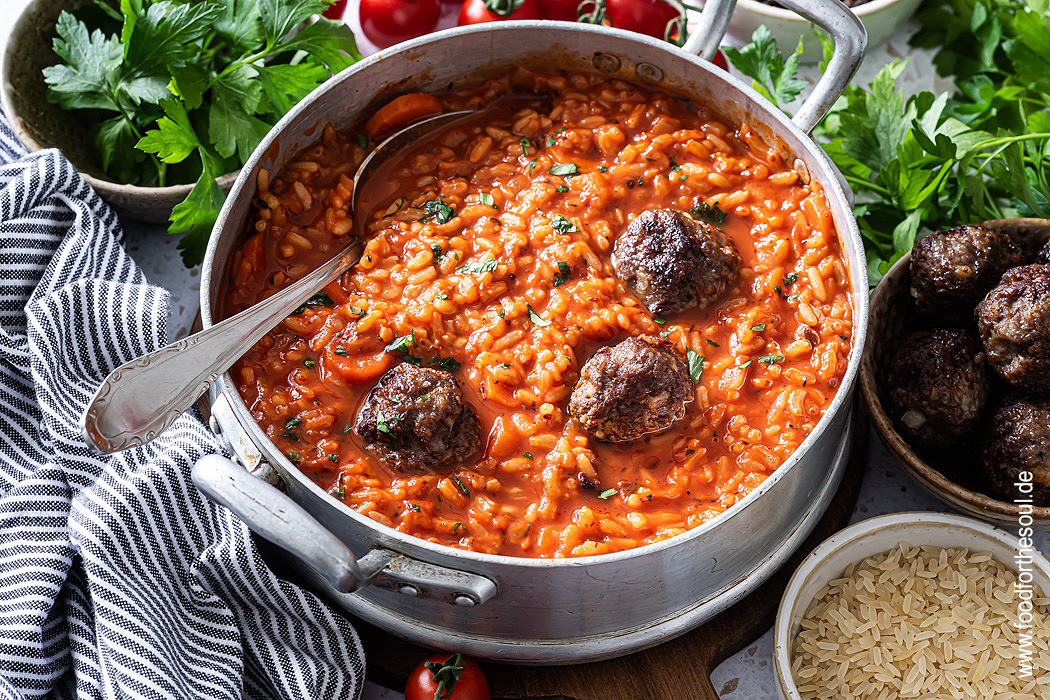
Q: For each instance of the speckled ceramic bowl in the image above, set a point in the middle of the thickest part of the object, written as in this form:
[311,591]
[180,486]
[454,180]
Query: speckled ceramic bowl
[891,318]
[40,124]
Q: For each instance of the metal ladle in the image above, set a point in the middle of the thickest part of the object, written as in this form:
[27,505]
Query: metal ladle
[142,398]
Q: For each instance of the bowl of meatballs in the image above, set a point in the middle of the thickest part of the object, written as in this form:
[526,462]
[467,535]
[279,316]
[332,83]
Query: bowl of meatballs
[957,383]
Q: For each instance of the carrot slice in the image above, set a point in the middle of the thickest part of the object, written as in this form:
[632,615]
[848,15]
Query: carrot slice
[402,111]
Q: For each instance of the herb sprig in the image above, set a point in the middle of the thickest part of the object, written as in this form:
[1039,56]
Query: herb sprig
[181,92]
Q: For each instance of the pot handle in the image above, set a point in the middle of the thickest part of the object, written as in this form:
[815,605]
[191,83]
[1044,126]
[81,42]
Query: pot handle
[710,28]
[832,16]
[850,37]
[271,514]
[280,520]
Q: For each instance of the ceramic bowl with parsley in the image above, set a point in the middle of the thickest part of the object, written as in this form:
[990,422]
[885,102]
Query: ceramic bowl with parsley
[159,103]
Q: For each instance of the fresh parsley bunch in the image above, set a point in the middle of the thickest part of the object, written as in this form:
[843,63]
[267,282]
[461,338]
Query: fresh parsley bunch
[929,162]
[182,91]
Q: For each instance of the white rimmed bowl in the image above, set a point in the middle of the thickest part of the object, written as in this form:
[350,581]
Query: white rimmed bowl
[875,536]
[881,18]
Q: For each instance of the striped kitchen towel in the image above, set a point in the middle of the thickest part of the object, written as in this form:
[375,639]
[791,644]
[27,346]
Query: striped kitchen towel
[117,578]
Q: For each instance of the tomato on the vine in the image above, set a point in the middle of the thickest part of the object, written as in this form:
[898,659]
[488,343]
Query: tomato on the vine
[447,677]
[643,16]
[478,11]
[388,22]
[564,10]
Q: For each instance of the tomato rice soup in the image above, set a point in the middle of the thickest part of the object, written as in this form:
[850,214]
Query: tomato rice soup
[488,256]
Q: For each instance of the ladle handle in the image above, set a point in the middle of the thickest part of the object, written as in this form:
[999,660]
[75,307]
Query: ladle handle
[142,398]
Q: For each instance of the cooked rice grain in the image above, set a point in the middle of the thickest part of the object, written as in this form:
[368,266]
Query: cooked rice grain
[922,622]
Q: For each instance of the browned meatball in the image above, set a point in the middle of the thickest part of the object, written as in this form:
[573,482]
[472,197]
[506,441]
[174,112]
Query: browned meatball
[1043,256]
[671,261]
[1014,322]
[415,420]
[938,387]
[1017,440]
[635,388]
[951,270]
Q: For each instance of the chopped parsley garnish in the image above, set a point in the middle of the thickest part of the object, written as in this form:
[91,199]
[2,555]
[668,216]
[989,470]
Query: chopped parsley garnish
[745,365]
[346,429]
[317,301]
[603,169]
[659,321]
[532,165]
[770,359]
[528,455]
[790,297]
[561,188]
[437,209]
[293,423]
[361,140]
[709,213]
[696,364]
[289,436]
[487,199]
[535,318]
[843,338]
[607,494]
[445,363]
[711,342]
[565,169]
[683,178]
[641,181]
[550,139]
[383,422]
[479,268]
[401,202]
[443,296]
[438,252]
[562,225]
[505,365]
[675,166]
[456,527]
[563,273]
[525,143]
[333,457]
[758,327]
[341,493]
[414,507]
[294,458]
[460,486]
[356,311]
[404,344]
[309,364]
[790,278]
[341,352]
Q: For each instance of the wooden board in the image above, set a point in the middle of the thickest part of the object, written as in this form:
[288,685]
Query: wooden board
[679,669]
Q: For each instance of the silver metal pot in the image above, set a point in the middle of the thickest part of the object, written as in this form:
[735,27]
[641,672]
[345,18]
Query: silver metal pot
[531,610]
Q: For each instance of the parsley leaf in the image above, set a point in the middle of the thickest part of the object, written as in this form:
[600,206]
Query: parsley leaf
[437,209]
[774,78]
[606,494]
[696,364]
[174,139]
[565,169]
[770,359]
[479,268]
[403,344]
[563,225]
[709,213]
[535,318]
[563,273]
[194,216]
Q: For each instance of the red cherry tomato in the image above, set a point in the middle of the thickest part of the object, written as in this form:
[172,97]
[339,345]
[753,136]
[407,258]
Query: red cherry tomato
[439,674]
[720,60]
[335,10]
[477,11]
[564,10]
[388,22]
[643,16]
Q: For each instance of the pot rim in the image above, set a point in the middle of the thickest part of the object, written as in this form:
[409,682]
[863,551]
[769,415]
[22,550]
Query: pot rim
[820,170]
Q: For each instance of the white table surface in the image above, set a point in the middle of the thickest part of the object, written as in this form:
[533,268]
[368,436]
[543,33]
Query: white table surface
[886,488]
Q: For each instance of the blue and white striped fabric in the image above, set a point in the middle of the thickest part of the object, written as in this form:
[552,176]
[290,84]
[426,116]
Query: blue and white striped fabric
[117,578]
